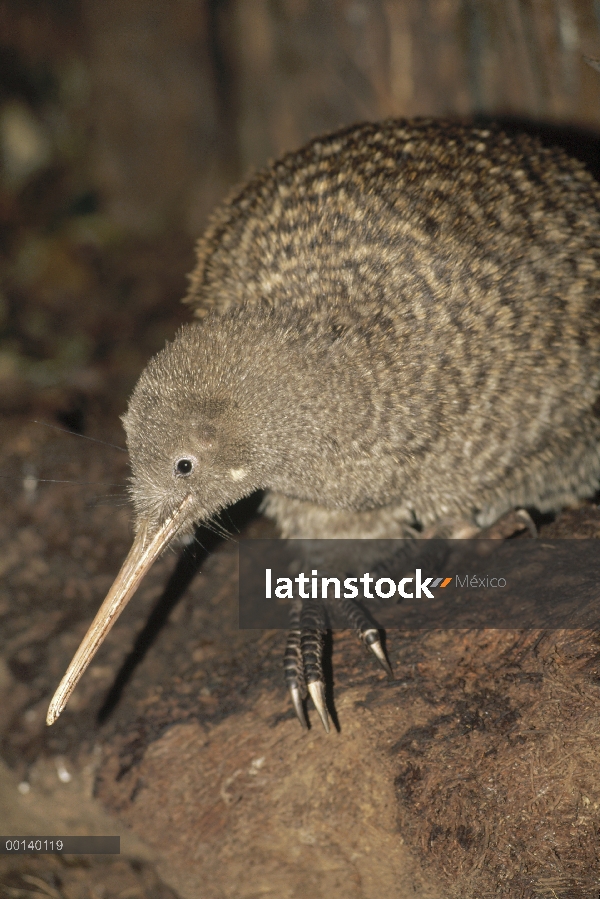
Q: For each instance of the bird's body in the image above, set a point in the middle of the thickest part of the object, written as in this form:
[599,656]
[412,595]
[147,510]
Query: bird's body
[400,325]
[454,275]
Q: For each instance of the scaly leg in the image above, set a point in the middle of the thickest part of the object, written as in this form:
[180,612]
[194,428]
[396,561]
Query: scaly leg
[303,659]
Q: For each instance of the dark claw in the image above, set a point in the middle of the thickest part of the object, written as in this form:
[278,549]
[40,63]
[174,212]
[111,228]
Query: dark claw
[371,640]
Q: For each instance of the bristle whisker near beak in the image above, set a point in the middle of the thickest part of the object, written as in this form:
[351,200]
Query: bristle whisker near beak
[225,513]
[140,558]
[213,524]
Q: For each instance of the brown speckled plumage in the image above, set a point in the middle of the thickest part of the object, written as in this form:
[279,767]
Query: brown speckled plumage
[456,273]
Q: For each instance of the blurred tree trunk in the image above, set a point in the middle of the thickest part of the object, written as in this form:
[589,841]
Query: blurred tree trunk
[190,94]
[154,109]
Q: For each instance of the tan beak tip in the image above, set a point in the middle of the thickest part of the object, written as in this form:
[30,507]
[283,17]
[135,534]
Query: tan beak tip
[141,556]
[52,715]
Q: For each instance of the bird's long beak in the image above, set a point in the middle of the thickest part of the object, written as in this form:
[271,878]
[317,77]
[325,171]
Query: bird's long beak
[142,554]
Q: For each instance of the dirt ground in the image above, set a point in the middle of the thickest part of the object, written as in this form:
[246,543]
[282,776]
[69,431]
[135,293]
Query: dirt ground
[205,709]
[473,773]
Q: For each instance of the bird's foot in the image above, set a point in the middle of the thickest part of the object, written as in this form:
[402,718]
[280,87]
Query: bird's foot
[509,524]
[451,529]
[303,658]
[369,635]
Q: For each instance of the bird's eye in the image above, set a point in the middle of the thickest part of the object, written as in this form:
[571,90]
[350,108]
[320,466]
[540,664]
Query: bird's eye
[183,467]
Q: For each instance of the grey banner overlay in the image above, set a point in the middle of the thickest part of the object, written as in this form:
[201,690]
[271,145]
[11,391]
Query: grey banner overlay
[518,583]
[50,845]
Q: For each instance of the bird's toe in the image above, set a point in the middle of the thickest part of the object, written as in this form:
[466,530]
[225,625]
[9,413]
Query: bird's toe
[316,688]
[372,640]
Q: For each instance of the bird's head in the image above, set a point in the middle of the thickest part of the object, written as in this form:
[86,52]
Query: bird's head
[192,433]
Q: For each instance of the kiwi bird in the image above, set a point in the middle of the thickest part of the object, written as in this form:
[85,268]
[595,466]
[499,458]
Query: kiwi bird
[398,330]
